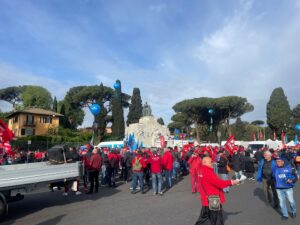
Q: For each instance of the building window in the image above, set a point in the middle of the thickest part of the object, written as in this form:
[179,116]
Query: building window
[15,119]
[27,131]
[29,119]
[45,119]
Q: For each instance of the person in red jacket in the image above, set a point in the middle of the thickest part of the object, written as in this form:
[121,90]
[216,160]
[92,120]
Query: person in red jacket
[138,165]
[168,166]
[156,163]
[95,164]
[194,162]
[210,184]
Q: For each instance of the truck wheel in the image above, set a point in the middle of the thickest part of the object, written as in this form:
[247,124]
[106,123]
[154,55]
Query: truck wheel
[3,208]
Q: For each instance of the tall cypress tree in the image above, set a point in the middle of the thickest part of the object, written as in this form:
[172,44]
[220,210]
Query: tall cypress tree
[278,111]
[135,108]
[55,104]
[118,123]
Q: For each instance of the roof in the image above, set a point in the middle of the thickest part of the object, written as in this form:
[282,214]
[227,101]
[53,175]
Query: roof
[36,111]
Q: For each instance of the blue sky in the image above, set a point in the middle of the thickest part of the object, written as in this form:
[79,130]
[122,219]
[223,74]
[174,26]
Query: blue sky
[172,50]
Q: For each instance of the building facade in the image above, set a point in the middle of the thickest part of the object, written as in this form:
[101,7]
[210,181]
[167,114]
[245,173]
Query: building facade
[33,121]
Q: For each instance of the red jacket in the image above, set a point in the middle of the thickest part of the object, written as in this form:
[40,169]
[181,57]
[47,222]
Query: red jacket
[156,163]
[195,163]
[168,160]
[142,161]
[212,184]
[95,162]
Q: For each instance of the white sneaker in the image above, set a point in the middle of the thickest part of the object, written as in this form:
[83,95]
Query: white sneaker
[160,193]
[138,188]
[78,193]
[131,188]
[55,188]
[65,194]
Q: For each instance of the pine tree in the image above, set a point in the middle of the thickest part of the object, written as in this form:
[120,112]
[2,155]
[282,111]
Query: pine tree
[55,104]
[63,121]
[118,124]
[135,108]
[278,111]
[161,121]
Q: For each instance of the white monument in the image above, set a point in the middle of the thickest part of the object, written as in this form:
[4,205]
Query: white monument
[147,130]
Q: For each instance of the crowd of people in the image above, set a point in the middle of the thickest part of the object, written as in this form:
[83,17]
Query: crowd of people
[210,169]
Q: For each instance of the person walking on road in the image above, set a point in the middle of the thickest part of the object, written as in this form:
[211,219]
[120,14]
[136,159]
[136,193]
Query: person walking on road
[95,164]
[194,162]
[156,164]
[264,175]
[210,185]
[138,165]
[168,167]
[285,178]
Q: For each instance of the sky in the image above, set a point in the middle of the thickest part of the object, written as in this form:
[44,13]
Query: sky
[172,50]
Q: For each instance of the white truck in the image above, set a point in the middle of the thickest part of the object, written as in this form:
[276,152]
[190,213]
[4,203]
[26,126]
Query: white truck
[18,179]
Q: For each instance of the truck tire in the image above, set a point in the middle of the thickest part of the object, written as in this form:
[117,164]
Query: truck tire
[3,207]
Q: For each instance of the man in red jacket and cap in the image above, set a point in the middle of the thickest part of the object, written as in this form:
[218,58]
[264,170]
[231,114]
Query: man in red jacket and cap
[195,162]
[168,166]
[211,185]
[95,164]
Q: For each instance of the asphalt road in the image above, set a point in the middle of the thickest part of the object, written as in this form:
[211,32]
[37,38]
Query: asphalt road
[245,206]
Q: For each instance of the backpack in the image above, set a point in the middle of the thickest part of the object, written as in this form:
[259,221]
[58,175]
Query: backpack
[112,162]
[297,159]
[137,166]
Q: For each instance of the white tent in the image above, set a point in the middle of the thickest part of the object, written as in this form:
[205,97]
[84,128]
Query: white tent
[291,144]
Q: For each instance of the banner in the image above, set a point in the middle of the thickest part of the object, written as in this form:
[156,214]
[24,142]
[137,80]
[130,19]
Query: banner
[229,145]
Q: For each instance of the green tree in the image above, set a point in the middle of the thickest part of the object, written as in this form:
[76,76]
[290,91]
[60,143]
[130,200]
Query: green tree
[135,108]
[83,96]
[3,116]
[55,104]
[258,122]
[11,95]
[278,111]
[63,121]
[36,96]
[296,115]
[224,109]
[161,121]
[239,129]
[118,124]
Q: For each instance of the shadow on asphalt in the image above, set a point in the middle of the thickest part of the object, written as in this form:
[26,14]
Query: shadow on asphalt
[53,221]
[258,192]
[228,214]
[35,202]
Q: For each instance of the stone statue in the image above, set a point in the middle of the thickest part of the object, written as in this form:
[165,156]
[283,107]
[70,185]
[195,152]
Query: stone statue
[147,110]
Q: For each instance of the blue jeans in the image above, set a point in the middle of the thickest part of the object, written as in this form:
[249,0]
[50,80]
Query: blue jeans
[176,167]
[282,195]
[298,170]
[137,175]
[238,175]
[168,174]
[225,177]
[156,177]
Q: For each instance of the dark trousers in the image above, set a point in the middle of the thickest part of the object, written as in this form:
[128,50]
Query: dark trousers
[127,173]
[208,217]
[94,180]
[111,177]
[270,192]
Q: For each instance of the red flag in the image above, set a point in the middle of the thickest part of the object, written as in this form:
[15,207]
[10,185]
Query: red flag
[162,141]
[229,145]
[5,133]
[182,136]
[282,138]
[254,136]
[274,136]
[261,137]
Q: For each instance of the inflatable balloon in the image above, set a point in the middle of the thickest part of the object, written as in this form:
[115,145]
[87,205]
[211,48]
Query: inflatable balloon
[95,109]
[210,111]
[117,85]
[297,127]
